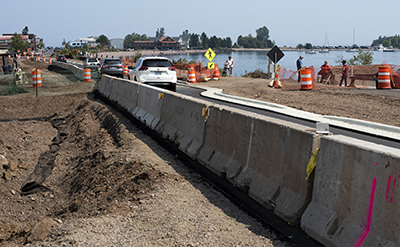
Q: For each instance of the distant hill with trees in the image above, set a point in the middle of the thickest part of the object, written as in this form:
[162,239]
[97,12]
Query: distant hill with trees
[387,41]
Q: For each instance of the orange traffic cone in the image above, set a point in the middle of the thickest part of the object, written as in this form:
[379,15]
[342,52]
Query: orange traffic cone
[191,75]
[216,75]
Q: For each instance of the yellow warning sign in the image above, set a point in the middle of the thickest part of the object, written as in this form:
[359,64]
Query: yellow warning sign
[312,164]
[206,111]
[211,65]
[210,54]
[160,96]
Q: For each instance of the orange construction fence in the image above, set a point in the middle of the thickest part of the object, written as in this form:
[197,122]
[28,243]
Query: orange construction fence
[200,70]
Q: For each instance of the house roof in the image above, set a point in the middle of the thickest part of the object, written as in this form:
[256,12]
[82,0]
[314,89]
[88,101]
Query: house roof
[9,37]
[166,38]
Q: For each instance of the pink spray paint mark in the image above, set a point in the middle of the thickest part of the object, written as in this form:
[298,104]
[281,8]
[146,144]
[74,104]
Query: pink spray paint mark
[394,184]
[376,163]
[370,208]
[388,186]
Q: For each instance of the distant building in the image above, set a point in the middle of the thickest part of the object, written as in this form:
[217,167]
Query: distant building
[117,43]
[184,40]
[163,44]
[91,42]
[6,39]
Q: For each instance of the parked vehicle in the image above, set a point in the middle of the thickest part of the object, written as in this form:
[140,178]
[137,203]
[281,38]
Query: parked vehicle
[155,71]
[61,58]
[91,63]
[112,66]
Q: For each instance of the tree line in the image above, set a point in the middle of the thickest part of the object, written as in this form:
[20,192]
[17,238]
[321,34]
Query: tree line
[202,41]
[393,41]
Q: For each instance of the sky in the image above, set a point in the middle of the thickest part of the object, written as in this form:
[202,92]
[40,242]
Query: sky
[289,22]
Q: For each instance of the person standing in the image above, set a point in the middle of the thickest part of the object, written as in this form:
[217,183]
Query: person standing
[345,72]
[299,64]
[230,65]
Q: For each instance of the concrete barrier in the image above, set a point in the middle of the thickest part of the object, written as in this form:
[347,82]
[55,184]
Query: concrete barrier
[182,121]
[355,198]
[78,72]
[351,200]
[266,156]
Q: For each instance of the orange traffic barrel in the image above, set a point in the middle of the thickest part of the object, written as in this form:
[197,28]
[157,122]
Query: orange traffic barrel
[125,70]
[216,75]
[34,77]
[306,80]
[44,59]
[38,78]
[27,57]
[191,75]
[49,60]
[86,75]
[38,59]
[384,77]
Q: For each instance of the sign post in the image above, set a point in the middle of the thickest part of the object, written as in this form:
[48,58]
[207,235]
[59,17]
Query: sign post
[275,54]
[210,54]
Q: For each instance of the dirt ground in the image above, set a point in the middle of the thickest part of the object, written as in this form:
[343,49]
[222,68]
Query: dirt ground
[76,173]
[369,104]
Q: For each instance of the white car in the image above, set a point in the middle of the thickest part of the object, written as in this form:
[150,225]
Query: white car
[155,71]
[91,63]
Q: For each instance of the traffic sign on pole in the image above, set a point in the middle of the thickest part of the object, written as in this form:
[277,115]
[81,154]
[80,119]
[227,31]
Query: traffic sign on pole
[210,54]
[275,54]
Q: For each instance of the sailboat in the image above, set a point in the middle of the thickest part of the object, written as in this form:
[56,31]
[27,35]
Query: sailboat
[354,47]
[326,47]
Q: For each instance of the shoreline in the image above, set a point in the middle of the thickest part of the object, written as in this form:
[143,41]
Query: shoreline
[199,51]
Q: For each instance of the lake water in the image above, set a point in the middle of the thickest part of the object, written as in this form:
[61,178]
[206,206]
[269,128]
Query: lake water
[248,61]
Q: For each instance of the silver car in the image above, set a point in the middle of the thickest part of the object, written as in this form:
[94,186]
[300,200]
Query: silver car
[155,71]
[112,66]
[91,63]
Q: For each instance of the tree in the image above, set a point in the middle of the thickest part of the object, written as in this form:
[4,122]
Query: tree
[194,41]
[204,41]
[363,58]
[17,43]
[25,31]
[128,41]
[160,33]
[214,42]
[262,34]
[186,32]
[103,40]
